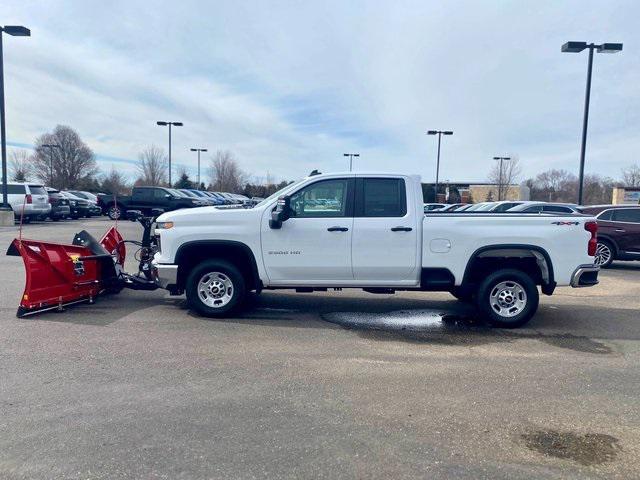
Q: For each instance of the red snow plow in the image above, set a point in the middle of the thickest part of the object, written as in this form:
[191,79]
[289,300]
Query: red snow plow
[60,274]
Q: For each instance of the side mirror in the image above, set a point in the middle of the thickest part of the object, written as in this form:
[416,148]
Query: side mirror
[167,196]
[281,213]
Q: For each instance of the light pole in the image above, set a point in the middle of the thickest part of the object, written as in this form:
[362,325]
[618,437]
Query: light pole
[198,150]
[350,155]
[439,133]
[15,31]
[51,146]
[170,124]
[501,159]
[577,47]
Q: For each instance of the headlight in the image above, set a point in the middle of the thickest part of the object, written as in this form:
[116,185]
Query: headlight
[164,225]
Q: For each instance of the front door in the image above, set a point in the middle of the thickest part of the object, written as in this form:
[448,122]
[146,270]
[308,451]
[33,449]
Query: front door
[313,247]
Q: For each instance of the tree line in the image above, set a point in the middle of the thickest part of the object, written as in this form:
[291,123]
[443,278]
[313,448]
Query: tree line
[62,160]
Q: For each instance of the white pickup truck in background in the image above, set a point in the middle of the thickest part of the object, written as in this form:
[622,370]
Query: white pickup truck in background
[368,230]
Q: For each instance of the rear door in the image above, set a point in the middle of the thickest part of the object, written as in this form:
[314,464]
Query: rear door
[626,225]
[39,196]
[385,237]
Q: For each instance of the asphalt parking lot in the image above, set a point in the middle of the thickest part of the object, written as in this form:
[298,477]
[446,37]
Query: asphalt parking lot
[336,385]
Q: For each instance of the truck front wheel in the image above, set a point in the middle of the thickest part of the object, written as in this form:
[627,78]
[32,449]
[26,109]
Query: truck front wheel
[114,212]
[507,298]
[215,288]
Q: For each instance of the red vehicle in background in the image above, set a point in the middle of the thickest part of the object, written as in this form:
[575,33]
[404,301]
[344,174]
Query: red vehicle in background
[618,232]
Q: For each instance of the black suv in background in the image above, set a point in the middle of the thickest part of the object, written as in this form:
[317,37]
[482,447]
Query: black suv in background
[146,199]
[618,232]
[59,204]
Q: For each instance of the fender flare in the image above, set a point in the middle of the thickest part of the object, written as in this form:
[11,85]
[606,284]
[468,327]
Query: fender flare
[253,266]
[549,282]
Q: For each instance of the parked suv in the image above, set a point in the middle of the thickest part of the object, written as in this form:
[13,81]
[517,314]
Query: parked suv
[30,198]
[618,232]
[59,204]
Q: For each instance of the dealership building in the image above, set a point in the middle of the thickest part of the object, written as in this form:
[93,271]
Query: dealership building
[473,192]
[626,196]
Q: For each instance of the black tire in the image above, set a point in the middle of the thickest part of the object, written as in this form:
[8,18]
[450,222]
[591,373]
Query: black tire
[605,254]
[463,295]
[507,298]
[222,272]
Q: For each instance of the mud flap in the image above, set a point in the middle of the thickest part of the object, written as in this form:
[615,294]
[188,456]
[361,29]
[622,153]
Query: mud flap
[59,274]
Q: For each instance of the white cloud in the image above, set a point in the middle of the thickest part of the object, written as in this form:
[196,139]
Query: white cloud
[290,86]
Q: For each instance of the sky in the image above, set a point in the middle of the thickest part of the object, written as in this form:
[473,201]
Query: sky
[289,86]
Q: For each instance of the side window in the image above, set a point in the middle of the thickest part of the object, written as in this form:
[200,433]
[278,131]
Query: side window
[556,208]
[383,197]
[159,194]
[630,215]
[327,198]
[15,189]
[606,215]
[534,209]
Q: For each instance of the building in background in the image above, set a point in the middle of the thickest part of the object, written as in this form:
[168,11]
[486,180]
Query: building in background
[626,195]
[457,192]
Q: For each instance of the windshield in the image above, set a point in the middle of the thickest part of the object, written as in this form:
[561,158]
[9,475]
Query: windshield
[37,190]
[280,192]
[177,193]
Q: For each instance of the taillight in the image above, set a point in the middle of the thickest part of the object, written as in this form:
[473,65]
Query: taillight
[29,198]
[592,228]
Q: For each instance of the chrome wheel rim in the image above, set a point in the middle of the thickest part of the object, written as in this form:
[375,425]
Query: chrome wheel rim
[603,254]
[114,212]
[215,289]
[508,299]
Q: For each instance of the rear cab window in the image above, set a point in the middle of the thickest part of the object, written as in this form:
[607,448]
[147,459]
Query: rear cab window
[37,190]
[380,197]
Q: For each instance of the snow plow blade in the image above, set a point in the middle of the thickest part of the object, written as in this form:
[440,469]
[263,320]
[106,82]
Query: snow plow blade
[60,274]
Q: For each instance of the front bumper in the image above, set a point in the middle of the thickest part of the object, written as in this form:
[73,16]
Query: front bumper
[585,276]
[165,275]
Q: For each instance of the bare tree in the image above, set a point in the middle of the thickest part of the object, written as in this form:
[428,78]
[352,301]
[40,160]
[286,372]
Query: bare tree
[20,166]
[631,176]
[114,182]
[226,175]
[152,165]
[73,160]
[503,174]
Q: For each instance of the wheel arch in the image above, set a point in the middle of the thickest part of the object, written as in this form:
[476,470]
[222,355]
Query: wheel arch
[240,254]
[529,258]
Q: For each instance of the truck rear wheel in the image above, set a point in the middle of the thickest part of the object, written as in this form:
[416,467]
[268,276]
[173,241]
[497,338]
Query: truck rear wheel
[507,298]
[114,212]
[215,288]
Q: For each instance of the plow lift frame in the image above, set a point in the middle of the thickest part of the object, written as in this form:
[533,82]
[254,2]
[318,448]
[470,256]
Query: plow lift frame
[58,275]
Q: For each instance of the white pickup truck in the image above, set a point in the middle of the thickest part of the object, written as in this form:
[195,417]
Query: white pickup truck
[368,231]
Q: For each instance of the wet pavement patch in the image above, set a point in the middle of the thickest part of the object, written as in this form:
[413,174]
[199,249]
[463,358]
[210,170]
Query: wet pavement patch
[579,344]
[588,449]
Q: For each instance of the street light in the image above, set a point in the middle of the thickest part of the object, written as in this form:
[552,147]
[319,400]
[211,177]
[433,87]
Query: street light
[501,159]
[439,133]
[51,146]
[198,150]
[170,124]
[350,155]
[15,31]
[577,47]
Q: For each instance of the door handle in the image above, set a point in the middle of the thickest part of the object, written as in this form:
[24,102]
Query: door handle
[620,230]
[337,229]
[401,229]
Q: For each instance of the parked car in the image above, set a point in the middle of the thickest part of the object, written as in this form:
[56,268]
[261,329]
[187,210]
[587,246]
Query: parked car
[197,195]
[618,232]
[79,206]
[370,232]
[29,200]
[145,199]
[213,200]
[60,208]
[543,207]
[451,207]
[428,207]
[94,209]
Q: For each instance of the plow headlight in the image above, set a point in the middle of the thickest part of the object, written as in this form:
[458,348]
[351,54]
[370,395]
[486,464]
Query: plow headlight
[164,225]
